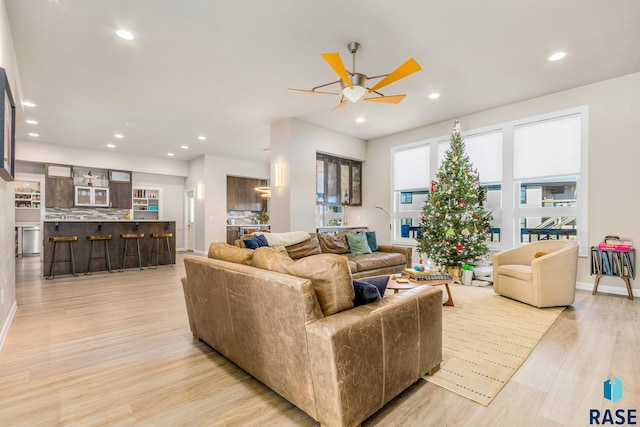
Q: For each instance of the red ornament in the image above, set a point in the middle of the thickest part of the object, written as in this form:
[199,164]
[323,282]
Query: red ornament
[433,186]
[459,246]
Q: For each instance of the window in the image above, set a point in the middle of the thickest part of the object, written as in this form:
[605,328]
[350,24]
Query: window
[411,172]
[539,162]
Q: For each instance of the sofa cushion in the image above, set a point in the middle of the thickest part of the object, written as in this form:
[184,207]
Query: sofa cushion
[256,242]
[226,252]
[311,246]
[358,243]
[372,240]
[376,260]
[517,271]
[329,275]
[365,293]
[333,243]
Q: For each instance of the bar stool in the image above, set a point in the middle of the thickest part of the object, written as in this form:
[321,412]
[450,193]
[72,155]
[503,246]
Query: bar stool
[99,238]
[166,237]
[126,237]
[55,241]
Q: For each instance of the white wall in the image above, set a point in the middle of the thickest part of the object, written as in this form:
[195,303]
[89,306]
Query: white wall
[295,143]
[211,213]
[197,176]
[7,211]
[172,198]
[614,202]
[39,152]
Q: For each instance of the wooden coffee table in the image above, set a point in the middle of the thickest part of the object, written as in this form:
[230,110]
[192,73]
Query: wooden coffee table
[392,284]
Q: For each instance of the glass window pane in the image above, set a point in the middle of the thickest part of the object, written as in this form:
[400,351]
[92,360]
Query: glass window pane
[411,168]
[548,148]
[533,229]
[320,179]
[551,192]
[345,184]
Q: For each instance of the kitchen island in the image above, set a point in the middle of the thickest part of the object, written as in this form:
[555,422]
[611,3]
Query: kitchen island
[84,228]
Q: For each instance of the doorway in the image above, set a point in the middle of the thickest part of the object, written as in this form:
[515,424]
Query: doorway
[189,217]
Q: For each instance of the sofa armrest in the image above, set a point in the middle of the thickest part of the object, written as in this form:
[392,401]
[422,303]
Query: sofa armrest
[364,357]
[404,250]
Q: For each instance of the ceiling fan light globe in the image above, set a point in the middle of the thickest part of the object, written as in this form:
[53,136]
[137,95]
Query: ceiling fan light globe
[354,94]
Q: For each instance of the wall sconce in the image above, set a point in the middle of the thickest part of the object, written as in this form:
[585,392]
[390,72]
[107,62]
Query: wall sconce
[200,191]
[279,181]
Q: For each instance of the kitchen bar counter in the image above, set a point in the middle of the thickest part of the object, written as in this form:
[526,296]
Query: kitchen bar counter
[84,228]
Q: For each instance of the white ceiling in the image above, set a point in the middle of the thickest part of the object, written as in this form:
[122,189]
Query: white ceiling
[221,68]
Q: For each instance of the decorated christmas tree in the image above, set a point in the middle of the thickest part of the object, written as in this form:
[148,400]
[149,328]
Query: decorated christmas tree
[453,218]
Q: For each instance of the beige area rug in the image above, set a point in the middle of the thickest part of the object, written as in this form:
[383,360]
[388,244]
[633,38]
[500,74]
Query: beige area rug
[485,339]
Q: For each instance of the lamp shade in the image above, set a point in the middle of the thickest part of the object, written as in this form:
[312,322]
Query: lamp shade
[354,94]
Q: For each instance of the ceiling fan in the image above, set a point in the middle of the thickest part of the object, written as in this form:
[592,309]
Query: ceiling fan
[353,85]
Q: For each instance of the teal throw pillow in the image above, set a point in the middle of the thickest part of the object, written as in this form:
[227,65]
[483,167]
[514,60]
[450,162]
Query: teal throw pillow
[358,243]
[373,242]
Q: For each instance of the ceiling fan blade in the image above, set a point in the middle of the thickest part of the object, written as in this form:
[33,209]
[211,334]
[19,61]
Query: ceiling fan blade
[392,99]
[409,67]
[343,102]
[333,59]
[313,91]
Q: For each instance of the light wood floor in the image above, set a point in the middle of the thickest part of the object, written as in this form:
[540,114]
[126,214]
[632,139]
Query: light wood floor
[115,349]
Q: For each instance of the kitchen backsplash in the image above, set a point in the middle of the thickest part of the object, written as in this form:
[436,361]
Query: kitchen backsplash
[242,218]
[87,213]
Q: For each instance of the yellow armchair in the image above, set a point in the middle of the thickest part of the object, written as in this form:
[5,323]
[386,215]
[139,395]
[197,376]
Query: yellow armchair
[542,273]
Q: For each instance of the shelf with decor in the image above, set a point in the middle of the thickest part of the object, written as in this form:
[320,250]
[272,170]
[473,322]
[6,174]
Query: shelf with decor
[27,195]
[615,261]
[146,203]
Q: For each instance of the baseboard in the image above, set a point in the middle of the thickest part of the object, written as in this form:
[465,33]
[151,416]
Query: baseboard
[607,289]
[201,252]
[180,249]
[5,327]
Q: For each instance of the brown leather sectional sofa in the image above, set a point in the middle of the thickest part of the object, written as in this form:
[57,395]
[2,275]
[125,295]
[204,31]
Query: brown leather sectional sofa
[386,260]
[292,325]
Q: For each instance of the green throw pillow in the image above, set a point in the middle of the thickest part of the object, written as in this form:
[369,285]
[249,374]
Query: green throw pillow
[358,243]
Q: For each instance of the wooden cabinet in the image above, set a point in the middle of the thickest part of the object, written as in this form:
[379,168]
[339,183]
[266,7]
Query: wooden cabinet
[233,234]
[338,181]
[58,192]
[242,194]
[120,189]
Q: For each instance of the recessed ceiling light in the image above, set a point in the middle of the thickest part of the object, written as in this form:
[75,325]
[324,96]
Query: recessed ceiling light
[434,95]
[170,154]
[556,56]
[35,135]
[28,104]
[111,145]
[184,147]
[202,138]
[31,122]
[360,120]
[118,135]
[124,34]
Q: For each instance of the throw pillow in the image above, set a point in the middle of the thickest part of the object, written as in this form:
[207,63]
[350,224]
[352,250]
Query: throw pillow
[333,243]
[358,243]
[226,252]
[365,293]
[256,242]
[378,282]
[328,273]
[311,246]
[372,241]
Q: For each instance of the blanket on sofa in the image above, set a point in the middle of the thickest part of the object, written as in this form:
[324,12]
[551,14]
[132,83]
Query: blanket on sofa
[285,239]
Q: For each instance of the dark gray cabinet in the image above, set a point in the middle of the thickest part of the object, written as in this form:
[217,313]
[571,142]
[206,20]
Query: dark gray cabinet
[120,194]
[59,193]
